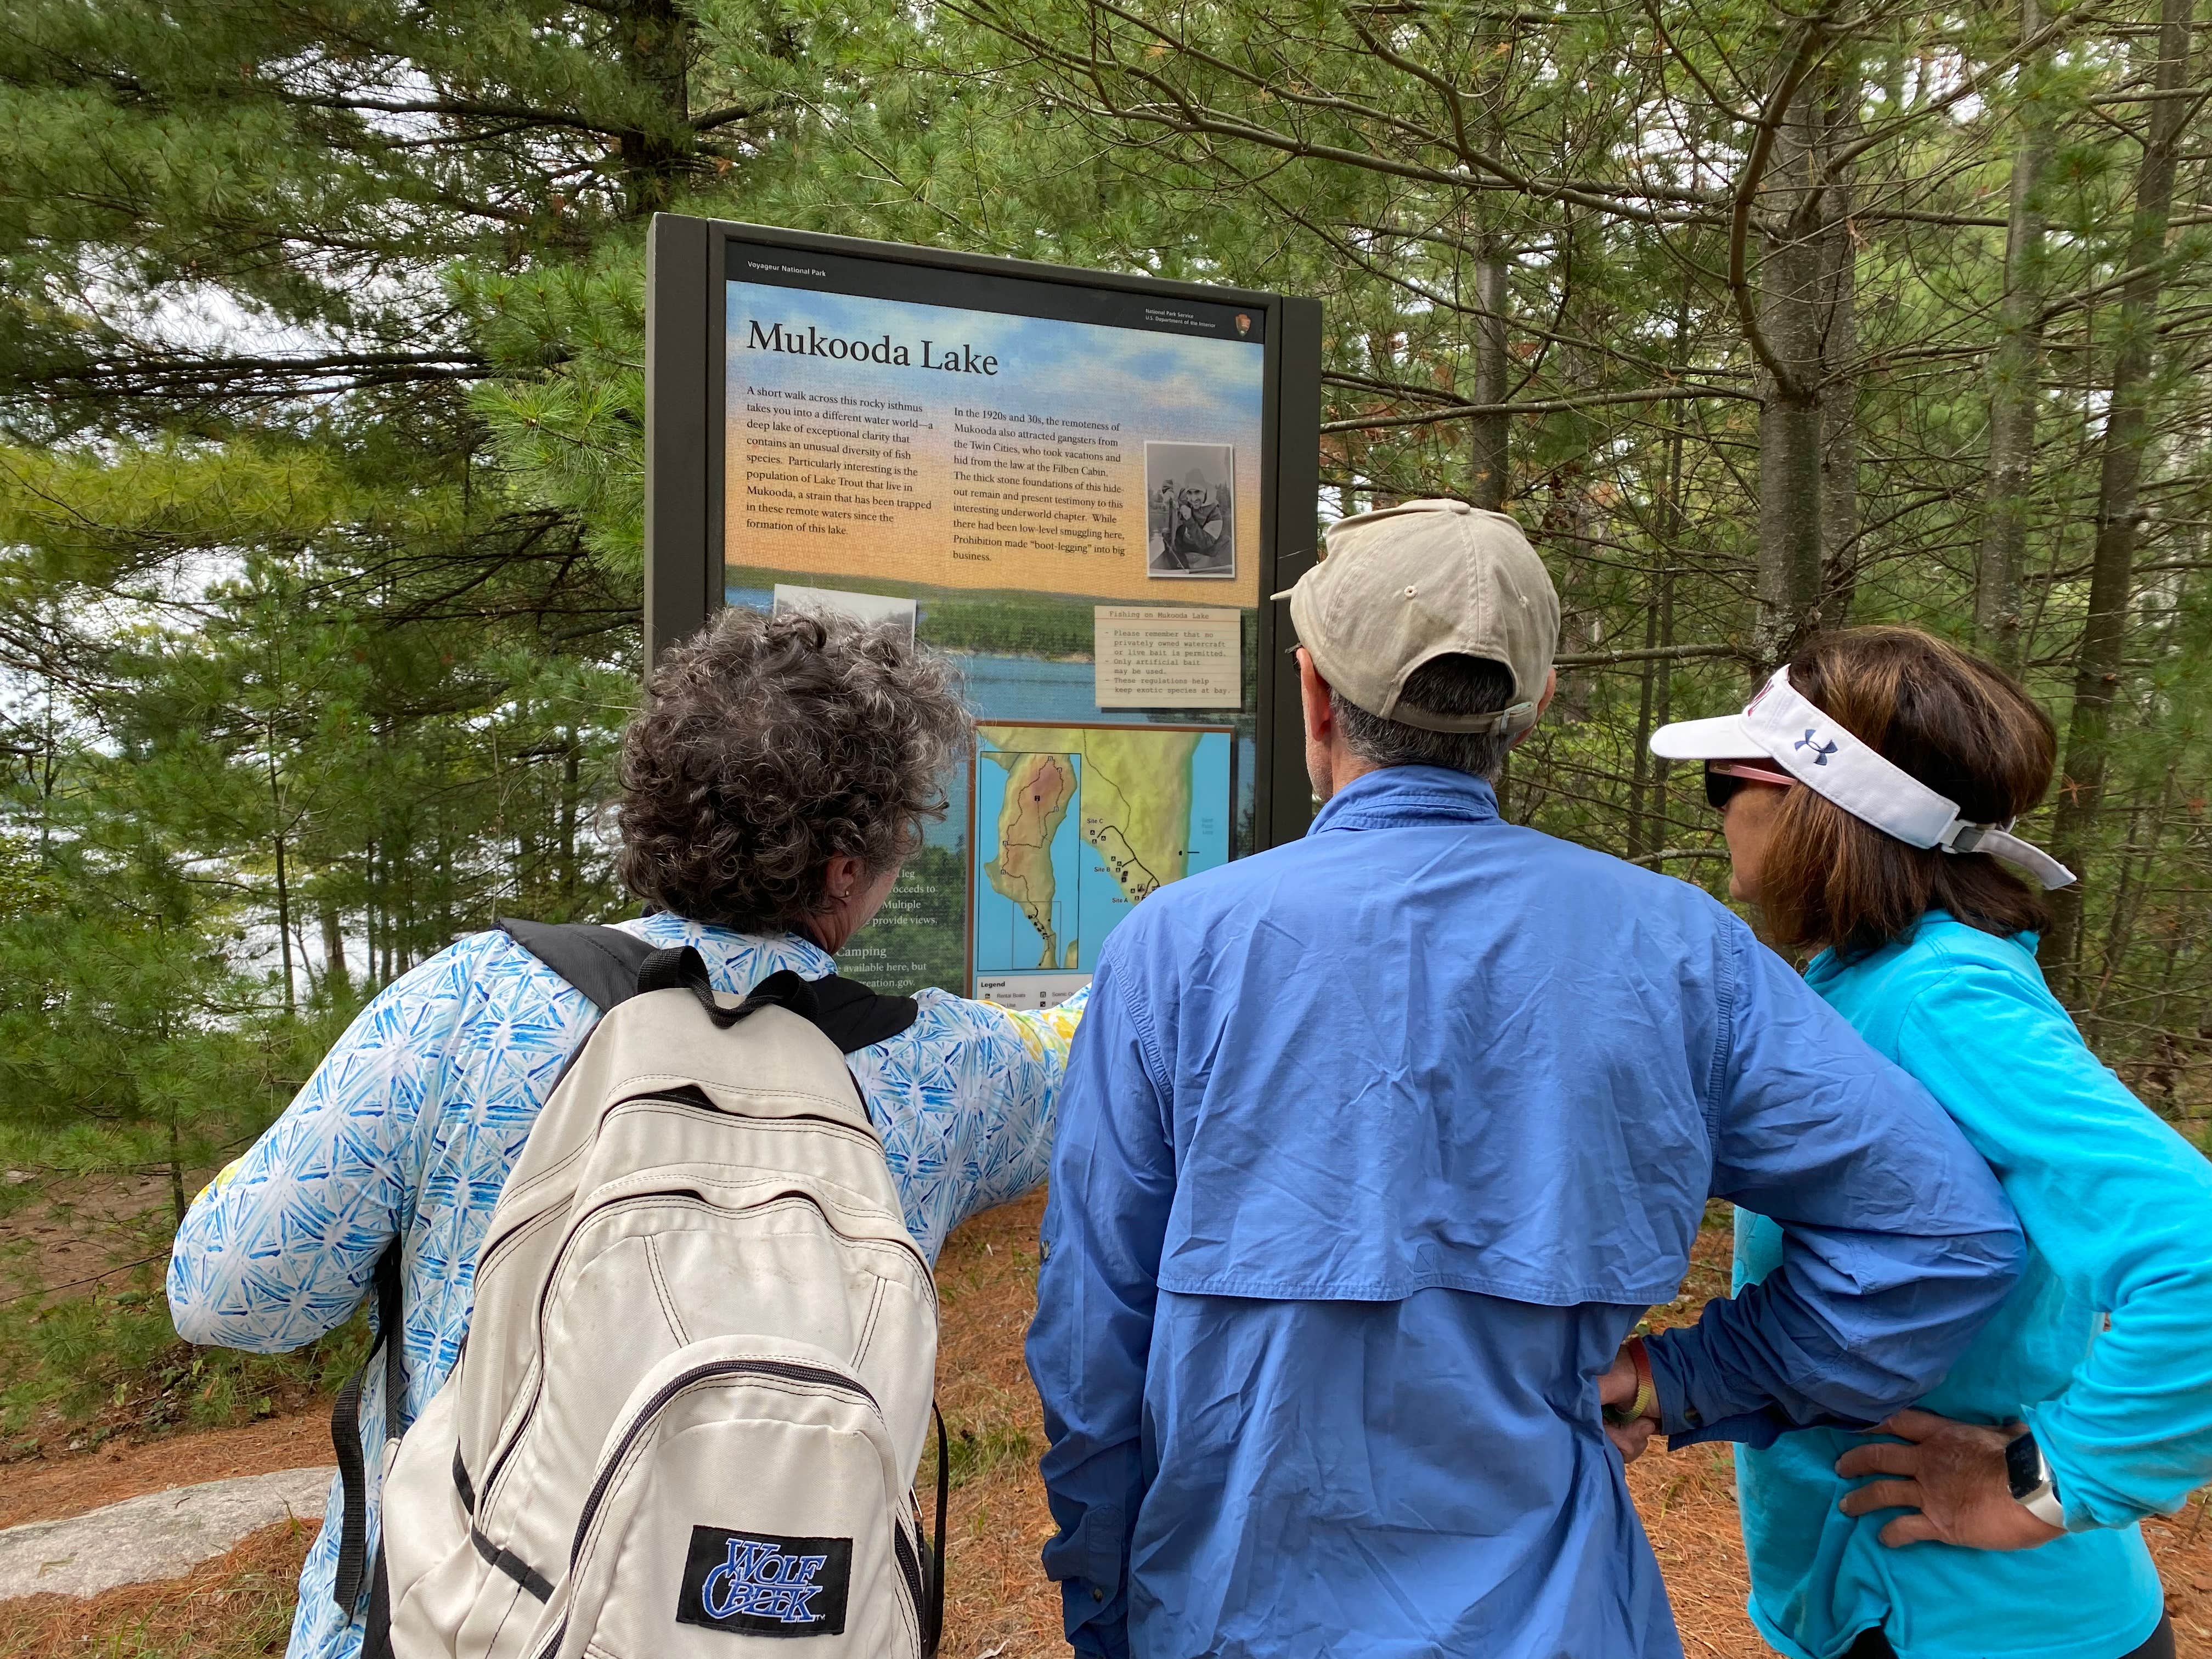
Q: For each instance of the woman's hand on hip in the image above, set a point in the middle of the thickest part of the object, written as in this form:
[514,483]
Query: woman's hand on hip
[1950,1477]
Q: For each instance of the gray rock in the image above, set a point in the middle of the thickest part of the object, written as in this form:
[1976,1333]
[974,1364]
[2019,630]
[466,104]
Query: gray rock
[163,1535]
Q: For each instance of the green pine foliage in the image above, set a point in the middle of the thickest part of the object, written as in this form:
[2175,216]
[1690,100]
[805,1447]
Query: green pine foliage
[322,428]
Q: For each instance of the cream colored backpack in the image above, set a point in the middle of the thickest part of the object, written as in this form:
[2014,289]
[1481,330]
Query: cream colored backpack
[697,1384]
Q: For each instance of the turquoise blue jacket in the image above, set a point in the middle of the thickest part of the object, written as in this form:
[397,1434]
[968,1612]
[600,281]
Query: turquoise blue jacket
[2118,1210]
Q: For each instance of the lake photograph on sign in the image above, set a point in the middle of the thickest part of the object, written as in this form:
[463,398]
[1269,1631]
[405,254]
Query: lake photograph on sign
[866,608]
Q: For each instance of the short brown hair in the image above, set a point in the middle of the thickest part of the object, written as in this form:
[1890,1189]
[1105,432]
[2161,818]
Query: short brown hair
[766,746]
[1955,722]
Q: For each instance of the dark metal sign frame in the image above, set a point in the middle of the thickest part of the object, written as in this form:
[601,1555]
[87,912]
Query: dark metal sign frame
[685,342]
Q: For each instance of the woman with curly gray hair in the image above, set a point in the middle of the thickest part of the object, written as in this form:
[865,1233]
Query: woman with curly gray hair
[776,778]
[779,773]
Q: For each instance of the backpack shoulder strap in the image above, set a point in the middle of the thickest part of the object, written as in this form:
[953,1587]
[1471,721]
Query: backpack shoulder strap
[845,1011]
[345,1430]
[603,963]
[610,966]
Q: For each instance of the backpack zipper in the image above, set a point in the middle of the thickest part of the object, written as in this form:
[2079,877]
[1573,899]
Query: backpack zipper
[909,1554]
[491,1251]
[789,1370]
[505,1452]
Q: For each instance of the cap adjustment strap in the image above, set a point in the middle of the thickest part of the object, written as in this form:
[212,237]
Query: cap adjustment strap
[1965,837]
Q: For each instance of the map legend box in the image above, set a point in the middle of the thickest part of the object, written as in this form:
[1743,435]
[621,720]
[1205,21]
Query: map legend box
[1028,991]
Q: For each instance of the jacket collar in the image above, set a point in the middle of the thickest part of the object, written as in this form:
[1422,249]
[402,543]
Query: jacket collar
[723,947]
[1407,794]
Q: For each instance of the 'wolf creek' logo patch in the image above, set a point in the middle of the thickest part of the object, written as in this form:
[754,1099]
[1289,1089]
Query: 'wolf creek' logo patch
[754,1583]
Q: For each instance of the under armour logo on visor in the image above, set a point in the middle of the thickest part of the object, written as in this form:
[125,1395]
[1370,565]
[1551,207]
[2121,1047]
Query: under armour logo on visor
[1820,750]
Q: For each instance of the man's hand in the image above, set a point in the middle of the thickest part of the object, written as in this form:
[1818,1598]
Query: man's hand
[1618,1388]
[1954,1483]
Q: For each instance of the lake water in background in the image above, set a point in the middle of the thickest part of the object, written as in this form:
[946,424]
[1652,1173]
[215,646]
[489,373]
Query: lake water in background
[1009,688]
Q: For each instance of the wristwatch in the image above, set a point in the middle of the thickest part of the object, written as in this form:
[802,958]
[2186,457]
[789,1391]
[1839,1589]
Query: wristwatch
[2034,1487]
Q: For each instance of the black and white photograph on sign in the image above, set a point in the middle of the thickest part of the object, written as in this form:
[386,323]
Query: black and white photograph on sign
[1190,508]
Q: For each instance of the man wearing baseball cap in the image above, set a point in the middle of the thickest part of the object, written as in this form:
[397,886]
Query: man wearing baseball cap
[1374,1147]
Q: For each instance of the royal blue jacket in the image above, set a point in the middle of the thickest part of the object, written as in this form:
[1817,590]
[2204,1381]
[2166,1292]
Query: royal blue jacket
[1373,1147]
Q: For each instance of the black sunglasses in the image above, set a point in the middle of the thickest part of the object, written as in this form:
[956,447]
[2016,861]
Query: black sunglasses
[1723,786]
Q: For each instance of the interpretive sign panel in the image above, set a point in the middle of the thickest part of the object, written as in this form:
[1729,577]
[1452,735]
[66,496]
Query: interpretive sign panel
[944,445]
[1071,482]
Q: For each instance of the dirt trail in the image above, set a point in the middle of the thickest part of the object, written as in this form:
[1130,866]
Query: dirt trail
[49,1489]
[997,1604]
[82,1228]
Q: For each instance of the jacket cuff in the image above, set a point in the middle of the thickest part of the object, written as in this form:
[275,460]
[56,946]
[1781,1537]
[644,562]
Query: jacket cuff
[1681,1409]
[2082,1510]
[1088,1563]
[1096,1629]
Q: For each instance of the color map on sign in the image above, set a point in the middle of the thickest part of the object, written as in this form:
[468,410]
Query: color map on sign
[1074,825]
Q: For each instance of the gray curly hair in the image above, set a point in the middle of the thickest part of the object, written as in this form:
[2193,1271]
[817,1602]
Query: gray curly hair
[766,746]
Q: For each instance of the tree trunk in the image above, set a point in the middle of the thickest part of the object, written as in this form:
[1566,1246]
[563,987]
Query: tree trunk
[571,771]
[1789,435]
[1640,760]
[402,872]
[335,977]
[2138,872]
[1662,696]
[2127,435]
[653,38]
[1839,344]
[386,912]
[1662,690]
[1486,486]
[2014,381]
[178,1202]
[371,930]
[1670,541]
[284,929]
[283,883]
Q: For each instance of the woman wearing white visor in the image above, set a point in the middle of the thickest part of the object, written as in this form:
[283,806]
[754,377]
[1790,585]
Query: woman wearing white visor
[1866,794]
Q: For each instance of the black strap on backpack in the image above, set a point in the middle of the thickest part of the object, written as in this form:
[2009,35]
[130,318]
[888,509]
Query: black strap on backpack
[933,1618]
[602,962]
[610,966]
[345,1429]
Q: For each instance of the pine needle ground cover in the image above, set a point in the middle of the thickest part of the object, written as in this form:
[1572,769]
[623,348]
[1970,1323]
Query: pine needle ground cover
[999,1603]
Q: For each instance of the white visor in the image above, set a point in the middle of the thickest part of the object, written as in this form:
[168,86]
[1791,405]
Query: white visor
[1782,725]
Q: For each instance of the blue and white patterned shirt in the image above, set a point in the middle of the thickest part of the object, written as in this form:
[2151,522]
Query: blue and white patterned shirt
[410,1126]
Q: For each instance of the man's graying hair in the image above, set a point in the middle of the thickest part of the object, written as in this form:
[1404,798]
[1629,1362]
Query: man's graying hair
[1454,684]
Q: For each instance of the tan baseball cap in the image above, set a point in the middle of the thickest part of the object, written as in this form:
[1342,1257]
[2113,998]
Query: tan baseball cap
[1402,584]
